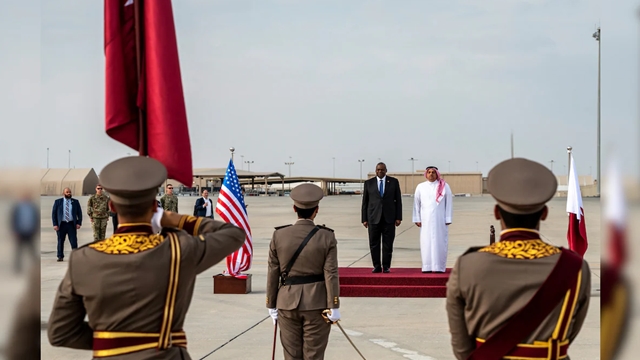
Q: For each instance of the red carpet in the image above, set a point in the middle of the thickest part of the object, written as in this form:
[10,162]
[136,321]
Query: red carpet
[400,282]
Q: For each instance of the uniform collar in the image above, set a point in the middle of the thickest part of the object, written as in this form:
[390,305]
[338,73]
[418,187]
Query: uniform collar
[305,221]
[134,228]
[519,234]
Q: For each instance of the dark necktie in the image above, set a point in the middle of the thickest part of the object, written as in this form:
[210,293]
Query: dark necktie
[380,187]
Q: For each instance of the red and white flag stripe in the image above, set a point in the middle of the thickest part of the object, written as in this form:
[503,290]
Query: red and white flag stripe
[577,232]
[615,214]
[230,208]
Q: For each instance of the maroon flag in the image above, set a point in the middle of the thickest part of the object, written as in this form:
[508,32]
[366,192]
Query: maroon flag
[577,232]
[145,107]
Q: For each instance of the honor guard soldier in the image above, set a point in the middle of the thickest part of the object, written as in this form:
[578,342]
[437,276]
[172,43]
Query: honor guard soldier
[136,286]
[519,298]
[98,211]
[302,279]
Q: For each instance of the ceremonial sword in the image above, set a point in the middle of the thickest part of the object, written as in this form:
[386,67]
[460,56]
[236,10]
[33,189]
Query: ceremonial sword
[324,315]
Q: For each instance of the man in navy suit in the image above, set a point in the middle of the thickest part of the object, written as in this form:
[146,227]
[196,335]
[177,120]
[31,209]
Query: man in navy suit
[204,206]
[67,219]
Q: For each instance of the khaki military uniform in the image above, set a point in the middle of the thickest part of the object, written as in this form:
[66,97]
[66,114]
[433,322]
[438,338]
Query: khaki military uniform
[169,202]
[488,286]
[496,295]
[126,283]
[303,331]
[98,211]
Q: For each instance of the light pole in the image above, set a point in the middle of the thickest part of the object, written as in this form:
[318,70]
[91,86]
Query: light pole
[241,162]
[477,167]
[596,35]
[69,159]
[413,170]
[249,164]
[334,167]
[289,164]
[47,158]
[232,149]
[361,183]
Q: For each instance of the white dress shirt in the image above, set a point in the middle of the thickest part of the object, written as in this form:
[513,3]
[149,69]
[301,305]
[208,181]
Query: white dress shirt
[208,207]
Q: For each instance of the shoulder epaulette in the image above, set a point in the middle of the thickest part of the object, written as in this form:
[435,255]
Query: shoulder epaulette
[282,227]
[473,249]
[324,227]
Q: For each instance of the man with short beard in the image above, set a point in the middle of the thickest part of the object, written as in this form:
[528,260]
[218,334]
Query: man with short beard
[433,213]
[66,216]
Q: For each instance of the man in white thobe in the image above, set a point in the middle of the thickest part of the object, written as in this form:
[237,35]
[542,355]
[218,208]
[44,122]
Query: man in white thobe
[432,213]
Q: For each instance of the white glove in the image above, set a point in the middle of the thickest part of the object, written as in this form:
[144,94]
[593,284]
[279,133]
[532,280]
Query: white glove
[274,315]
[155,220]
[335,315]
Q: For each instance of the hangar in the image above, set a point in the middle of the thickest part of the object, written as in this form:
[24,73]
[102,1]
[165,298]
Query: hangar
[81,181]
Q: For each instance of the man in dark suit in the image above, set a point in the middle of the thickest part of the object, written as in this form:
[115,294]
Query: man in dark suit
[381,213]
[67,219]
[204,206]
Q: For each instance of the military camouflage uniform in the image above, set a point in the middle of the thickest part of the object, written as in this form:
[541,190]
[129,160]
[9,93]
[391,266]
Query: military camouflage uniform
[98,211]
[169,203]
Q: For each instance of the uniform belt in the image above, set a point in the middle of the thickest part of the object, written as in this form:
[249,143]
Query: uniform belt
[551,350]
[110,343]
[300,280]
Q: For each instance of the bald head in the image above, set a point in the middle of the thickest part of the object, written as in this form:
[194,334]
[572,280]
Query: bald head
[67,193]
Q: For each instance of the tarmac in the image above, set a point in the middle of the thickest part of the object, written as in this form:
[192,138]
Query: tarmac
[236,326]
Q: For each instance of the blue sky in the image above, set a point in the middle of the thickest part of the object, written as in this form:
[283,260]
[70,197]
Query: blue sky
[440,81]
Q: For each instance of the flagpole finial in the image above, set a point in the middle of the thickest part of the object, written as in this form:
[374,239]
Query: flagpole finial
[232,149]
[569,148]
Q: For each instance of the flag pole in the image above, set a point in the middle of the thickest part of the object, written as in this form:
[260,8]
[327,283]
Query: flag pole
[142,121]
[569,148]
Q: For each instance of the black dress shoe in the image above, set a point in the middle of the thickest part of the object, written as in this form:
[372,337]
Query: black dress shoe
[386,270]
[59,259]
[376,270]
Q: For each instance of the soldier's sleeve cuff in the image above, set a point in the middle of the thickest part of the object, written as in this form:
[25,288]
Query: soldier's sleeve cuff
[190,224]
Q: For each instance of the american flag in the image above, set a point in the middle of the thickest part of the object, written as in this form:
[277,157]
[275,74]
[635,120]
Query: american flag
[231,209]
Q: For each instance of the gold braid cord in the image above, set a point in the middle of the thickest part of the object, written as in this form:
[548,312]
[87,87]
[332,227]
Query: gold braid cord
[521,249]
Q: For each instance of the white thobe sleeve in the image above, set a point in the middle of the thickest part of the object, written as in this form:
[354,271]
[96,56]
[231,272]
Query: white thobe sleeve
[448,205]
[416,206]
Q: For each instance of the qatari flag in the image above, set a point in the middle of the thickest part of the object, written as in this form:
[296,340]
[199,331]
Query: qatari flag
[577,233]
[143,82]
[615,215]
